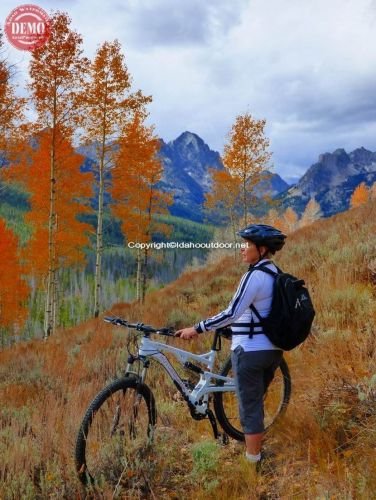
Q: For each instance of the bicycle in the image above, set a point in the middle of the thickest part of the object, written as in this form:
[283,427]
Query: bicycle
[120,421]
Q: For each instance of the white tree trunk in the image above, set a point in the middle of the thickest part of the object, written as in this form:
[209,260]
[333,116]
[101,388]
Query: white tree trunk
[99,245]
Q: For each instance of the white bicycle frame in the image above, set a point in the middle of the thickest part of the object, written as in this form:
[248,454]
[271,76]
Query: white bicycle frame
[197,397]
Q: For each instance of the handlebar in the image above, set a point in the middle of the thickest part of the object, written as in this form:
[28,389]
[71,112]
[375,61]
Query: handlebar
[141,327]
[167,331]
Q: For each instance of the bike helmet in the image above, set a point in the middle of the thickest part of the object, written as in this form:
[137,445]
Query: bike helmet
[264,235]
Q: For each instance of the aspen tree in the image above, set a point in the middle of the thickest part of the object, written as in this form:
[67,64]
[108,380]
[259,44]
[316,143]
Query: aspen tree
[57,71]
[110,105]
[246,157]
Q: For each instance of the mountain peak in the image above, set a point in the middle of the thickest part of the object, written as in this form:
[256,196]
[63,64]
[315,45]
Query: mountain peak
[338,158]
[187,160]
[333,179]
[362,149]
[187,138]
[362,156]
[339,151]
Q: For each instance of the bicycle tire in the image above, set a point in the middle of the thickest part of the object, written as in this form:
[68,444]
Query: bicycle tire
[275,401]
[126,410]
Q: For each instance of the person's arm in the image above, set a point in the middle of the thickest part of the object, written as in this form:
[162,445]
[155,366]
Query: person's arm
[242,299]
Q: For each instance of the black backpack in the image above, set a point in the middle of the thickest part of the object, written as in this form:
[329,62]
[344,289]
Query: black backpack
[290,319]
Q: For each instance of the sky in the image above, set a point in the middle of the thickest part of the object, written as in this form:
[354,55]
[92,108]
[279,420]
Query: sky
[307,66]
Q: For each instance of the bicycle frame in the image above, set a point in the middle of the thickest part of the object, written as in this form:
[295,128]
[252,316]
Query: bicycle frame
[197,398]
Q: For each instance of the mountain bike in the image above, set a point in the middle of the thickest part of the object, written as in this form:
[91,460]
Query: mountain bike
[119,424]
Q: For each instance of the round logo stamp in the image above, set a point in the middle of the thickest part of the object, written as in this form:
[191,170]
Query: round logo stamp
[27,27]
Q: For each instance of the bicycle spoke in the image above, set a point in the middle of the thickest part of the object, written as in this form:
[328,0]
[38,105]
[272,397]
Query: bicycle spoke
[118,431]
[116,419]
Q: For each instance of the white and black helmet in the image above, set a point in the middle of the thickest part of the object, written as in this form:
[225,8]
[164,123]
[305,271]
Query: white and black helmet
[264,235]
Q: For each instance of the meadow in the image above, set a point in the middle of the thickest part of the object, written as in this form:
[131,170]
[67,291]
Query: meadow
[324,446]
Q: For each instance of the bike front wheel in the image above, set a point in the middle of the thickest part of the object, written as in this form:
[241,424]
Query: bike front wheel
[276,400]
[115,432]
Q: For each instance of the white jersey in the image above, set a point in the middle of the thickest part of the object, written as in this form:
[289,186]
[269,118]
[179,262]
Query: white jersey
[255,288]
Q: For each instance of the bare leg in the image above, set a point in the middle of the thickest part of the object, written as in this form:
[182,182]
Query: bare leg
[253,443]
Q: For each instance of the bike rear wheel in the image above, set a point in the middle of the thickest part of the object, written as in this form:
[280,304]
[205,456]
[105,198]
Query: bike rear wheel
[276,400]
[115,432]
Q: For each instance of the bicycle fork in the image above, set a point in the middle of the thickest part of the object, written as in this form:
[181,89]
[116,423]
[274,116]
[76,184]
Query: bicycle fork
[129,371]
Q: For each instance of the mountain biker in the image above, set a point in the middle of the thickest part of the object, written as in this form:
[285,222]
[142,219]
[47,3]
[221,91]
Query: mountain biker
[254,357]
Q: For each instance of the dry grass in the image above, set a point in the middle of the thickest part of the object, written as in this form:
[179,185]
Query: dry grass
[323,448]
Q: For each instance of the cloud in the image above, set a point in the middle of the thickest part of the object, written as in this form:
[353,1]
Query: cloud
[178,23]
[308,67]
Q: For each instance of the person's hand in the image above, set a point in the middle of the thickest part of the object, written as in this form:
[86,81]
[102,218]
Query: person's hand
[186,333]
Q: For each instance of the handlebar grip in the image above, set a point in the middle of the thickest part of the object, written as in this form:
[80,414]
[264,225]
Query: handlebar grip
[168,332]
[109,319]
[115,321]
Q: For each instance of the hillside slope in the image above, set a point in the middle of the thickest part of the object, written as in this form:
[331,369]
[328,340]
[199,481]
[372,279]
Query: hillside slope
[323,448]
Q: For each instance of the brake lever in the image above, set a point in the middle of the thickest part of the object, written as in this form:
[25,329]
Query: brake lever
[167,331]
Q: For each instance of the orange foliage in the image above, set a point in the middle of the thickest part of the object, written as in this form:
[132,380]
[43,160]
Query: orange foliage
[311,213]
[109,103]
[57,71]
[224,192]
[246,156]
[274,219]
[135,177]
[327,431]
[107,97]
[360,195]
[11,112]
[13,289]
[71,186]
[290,219]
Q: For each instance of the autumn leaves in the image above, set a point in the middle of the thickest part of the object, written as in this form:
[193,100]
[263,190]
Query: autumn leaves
[13,290]
[77,101]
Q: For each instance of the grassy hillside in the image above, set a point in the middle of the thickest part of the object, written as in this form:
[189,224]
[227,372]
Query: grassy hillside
[323,448]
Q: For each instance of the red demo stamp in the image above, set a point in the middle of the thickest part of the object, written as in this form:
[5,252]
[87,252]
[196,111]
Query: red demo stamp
[27,27]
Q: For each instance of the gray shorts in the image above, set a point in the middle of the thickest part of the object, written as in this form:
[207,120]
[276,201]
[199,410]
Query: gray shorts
[254,370]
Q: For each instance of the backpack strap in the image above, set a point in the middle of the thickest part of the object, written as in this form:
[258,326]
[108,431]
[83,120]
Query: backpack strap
[252,307]
[267,270]
[257,314]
